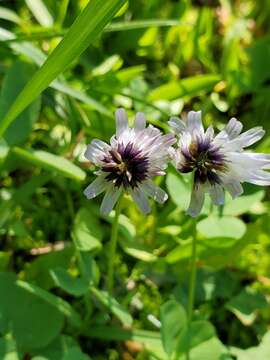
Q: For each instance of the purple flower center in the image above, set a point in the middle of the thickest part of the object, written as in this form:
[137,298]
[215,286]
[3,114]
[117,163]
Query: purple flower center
[205,159]
[125,166]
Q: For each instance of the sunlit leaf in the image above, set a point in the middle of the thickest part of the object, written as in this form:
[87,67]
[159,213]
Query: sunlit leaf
[223,227]
[184,87]
[246,304]
[50,162]
[114,307]
[87,232]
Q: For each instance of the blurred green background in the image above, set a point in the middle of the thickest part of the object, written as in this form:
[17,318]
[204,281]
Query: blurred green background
[163,58]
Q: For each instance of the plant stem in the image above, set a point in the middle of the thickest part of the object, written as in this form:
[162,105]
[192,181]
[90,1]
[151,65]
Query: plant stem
[192,284]
[192,279]
[113,245]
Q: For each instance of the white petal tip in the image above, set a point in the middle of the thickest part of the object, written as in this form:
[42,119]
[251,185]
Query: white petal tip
[88,195]
[192,213]
[120,112]
[104,213]
[165,198]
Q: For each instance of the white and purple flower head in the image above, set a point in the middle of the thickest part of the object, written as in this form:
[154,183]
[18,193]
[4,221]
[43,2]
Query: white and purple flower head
[133,157]
[218,162]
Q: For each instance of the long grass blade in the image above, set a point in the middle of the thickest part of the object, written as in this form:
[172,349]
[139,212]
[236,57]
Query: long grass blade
[38,57]
[84,30]
[114,27]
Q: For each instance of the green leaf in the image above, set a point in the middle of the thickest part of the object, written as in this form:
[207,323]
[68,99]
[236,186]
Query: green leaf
[173,321]
[15,79]
[84,30]
[33,322]
[111,303]
[201,339]
[8,349]
[61,305]
[150,339]
[260,352]
[50,162]
[243,203]
[88,267]
[62,348]
[138,251]
[38,271]
[246,304]
[70,284]
[222,227]
[129,242]
[186,87]
[87,233]
[179,188]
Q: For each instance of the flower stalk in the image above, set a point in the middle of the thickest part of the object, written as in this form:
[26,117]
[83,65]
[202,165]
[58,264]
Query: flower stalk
[192,287]
[192,279]
[113,246]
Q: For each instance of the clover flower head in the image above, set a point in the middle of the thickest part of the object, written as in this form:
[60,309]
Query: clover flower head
[218,161]
[133,157]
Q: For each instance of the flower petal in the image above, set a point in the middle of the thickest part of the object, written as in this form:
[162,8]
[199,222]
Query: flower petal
[257,160]
[140,121]
[121,121]
[243,165]
[229,132]
[233,128]
[209,134]
[194,122]
[140,199]
[154,191]
[110,199]
[234,187]
[259,177]
[246,139]
[96,187]
[94,154]
[196,201]
[177,125]
[99,144]
[217,194]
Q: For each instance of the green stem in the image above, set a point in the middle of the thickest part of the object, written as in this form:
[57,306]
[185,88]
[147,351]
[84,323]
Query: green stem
[192,284]
[113,245]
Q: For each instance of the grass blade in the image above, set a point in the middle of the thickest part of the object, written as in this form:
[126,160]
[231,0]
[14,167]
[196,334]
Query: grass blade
[143,24]
[185,87]
[38,57]
[114,27]
[84,30]
[50,162]
[9,15]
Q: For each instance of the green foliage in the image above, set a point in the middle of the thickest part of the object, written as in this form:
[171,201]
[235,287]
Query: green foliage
[65,67]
